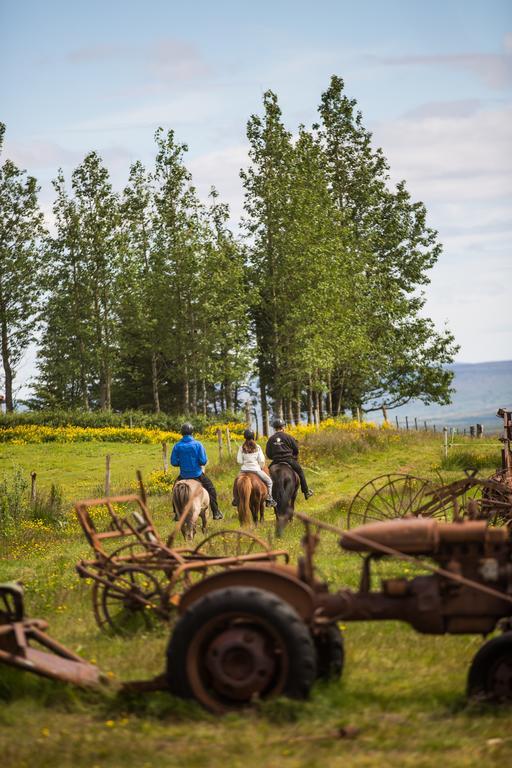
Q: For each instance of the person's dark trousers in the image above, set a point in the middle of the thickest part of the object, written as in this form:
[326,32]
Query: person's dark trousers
[294,464]
[212,493]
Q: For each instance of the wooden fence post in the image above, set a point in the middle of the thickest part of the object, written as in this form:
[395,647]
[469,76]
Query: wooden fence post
[219,440]
[397,422]
[228,441]
[435,430]
[33,490]
[107,474]
[445,439]
[407,422]
[425,425]
[415,423]
[164,457]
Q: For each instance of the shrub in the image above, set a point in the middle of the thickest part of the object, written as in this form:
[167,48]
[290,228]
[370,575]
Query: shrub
[13,502]
[468,459]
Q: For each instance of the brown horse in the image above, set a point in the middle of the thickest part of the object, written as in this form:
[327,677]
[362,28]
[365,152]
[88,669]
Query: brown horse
[251,493]
[190,502]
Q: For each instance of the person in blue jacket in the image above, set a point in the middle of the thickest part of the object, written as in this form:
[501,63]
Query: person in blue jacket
[190,456]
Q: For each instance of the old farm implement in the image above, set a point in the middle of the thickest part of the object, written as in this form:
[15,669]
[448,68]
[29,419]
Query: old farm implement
[25,644]
[138,578]
[396,496]
[268,629]
[400,495]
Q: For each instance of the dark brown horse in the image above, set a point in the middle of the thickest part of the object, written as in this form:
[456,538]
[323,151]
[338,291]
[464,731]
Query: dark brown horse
[251,493]
[286,484]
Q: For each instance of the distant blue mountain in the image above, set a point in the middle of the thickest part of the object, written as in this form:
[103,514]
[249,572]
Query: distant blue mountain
[480,389]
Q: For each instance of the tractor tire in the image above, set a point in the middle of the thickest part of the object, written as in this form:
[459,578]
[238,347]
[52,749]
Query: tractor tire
[237,645]
[330,653]
[490,674]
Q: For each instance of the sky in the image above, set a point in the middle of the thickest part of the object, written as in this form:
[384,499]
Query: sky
[433,81]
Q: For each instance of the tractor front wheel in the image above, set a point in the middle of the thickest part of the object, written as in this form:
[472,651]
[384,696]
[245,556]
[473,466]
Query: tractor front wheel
[238,645]
[490,674]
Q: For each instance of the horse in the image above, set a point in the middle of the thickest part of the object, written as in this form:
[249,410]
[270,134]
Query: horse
[190,502]
[286,485]
[251,492]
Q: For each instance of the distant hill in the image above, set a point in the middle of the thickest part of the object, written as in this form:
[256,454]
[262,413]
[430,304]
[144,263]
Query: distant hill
[480,389]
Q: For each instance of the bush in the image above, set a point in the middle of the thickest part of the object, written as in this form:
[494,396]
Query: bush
[163,421]
[48,508]
[13,502]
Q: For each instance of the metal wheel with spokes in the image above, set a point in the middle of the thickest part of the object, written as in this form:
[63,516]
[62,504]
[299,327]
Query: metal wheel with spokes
[392,496]
[131,599]
[230,543]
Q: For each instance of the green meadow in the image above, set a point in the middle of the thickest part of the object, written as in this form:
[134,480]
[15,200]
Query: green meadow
[401,700]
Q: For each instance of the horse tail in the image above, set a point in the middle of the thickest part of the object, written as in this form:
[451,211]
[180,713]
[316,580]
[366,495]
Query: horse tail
[182,502]
[244,498]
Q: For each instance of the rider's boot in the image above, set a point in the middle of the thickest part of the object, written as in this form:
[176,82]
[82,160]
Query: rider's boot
[308,494]
[270,502]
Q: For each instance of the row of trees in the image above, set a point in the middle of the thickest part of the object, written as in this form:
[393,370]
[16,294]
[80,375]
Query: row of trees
[147,299]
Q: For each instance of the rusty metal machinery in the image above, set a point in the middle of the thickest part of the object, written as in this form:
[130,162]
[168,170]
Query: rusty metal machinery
[464,586]
[137,578]
[25,644]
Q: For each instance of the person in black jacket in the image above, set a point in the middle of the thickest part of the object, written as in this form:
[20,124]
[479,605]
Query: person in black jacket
[284,448]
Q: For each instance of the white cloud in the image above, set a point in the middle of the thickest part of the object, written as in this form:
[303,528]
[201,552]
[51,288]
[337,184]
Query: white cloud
[461,167]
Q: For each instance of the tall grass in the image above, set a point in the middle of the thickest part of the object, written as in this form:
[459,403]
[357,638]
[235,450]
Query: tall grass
[16,506]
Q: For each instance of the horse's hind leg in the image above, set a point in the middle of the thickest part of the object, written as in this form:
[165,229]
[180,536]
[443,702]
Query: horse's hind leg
[204,523]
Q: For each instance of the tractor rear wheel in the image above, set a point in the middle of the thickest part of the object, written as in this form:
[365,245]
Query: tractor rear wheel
[237,645]
[330,653]
[490,674]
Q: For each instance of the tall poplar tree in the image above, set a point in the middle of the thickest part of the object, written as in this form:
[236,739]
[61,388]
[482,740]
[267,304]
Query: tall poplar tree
[267,205]
[21,228]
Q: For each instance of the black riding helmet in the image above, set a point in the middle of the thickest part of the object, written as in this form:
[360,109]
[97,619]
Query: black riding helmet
[187,428]
[249,434]
[278,424]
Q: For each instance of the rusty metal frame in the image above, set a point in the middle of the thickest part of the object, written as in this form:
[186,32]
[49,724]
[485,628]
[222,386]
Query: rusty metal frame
[110,571]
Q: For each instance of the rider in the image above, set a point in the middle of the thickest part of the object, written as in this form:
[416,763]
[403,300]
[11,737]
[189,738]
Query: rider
[190,456]
[252,459]
[283,448]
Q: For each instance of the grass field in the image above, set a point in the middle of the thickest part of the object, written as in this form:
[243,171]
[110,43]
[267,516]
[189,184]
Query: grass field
[402,692]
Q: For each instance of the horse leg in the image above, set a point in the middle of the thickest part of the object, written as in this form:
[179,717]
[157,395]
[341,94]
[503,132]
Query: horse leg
[202,515]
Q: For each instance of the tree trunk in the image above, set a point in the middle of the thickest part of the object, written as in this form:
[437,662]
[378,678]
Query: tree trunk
[205,398]
[194,396]
[229,395]
[264,408]
[289,411]
[186,392]
[8,372]
[154,383]
[297,403]
[236,403]
[278,405]
[310,402]
[329,395]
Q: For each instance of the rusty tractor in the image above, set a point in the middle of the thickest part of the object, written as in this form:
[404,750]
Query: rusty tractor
[270,629]
[137,578]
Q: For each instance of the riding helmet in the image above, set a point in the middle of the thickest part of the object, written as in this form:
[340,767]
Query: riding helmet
[249,434]
[187,428]
[278,424]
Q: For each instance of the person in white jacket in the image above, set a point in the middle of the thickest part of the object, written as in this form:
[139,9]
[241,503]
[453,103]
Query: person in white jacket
[252,459]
